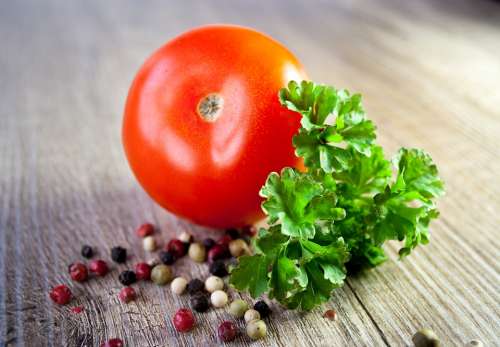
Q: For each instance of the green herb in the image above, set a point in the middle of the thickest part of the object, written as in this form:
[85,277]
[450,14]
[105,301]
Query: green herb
[339,213]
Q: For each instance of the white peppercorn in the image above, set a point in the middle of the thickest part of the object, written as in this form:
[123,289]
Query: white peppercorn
[149,243]
[251,315]
[178,285]
[197,252]
[425,338]
[238,247]
[185,237]
[214,283]
[238,308]
[256,329]
[218,298]
[474,343]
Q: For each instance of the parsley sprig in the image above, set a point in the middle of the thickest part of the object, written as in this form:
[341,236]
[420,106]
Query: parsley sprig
[338,214]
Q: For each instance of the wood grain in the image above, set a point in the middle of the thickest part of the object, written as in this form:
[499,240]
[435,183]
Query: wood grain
[429,73]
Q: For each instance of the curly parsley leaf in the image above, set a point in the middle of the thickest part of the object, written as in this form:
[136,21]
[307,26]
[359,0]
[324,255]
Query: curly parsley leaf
[336,217]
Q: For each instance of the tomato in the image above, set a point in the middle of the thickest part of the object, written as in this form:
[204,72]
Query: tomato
[203,126]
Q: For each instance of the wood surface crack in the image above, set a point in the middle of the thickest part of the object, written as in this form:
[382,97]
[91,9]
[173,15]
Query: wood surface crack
[382,336]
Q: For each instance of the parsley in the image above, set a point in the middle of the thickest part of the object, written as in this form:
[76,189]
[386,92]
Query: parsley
[338,214]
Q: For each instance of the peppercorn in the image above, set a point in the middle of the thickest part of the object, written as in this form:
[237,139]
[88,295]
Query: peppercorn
[77,309]
[256,329]
[167,258]
[249,230]
[183,320]
[224,241]
[474,343]
[227,331]
[208,243]
[143,271]
[78,272]
[330,314]
[218,298]
[238,308]
[218,268]
[233,233]
[214,283]
[113,343]
[99,267]
[87,251]
[149,243]
[178,285]
[194,286]
[161,274]
[145,230]
[119,254]
[238,247]
[262,308]
[217,252]
[127,294]
[127,277]
[177,248]
[60,294]
[186,237]
[251,315]
[425,338]
[197,252]
[199,303]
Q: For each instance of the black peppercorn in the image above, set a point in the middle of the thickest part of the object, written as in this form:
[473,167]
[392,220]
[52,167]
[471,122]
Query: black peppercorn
[127,277]
[119,254]
[195,286]
[218,268]
[167,258]
[262,308]
[87,251]
[208,243]
[234,233]
[199,303]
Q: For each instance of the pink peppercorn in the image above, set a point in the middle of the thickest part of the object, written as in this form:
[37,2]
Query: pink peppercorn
[330,314]
[224,240]
[227,331]
[113,343]
[78,272]
[145,230]
[99,267]
[176,247]
[183,320]
[60,294]
[217,252]
[127,294]
[143,271]
[77,309]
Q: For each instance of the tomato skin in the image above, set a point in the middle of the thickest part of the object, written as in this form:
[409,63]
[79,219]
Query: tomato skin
[211,172]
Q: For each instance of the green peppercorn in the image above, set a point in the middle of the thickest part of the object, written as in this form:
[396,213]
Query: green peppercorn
[425,338]
[256,329]
[161,274]
[238,308]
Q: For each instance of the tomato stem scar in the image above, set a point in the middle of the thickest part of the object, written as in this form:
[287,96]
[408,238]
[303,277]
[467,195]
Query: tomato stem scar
[210,107]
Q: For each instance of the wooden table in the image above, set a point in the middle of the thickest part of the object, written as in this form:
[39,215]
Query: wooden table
[429,72]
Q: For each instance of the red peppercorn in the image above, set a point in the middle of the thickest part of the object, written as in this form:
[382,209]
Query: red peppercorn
[330,314]
[217,252]
[176,247]
[99,267]
[143,271]
[78,272]
[127,294]
[227,331]
[145,230]
[77,309]
[250,230]
[224,240]
[61,294]
[183,320]
[113,343]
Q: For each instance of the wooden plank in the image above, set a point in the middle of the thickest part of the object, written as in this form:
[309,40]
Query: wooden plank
[428,72]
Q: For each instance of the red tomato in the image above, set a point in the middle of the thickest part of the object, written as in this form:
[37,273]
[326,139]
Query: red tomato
[203,126]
